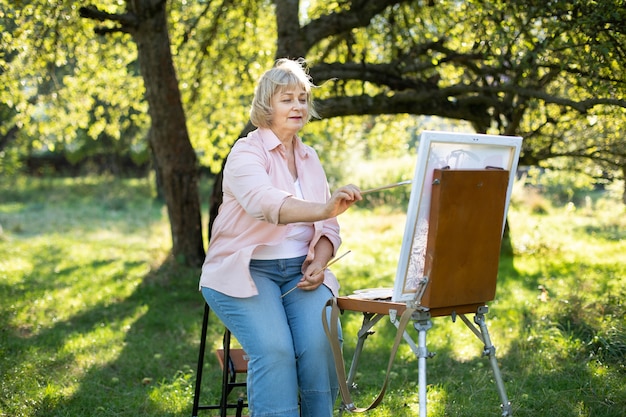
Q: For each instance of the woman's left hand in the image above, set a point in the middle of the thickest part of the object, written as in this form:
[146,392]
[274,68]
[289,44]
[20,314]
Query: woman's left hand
[313,277]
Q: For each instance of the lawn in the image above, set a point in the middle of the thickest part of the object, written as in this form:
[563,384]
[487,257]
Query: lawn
[96,320]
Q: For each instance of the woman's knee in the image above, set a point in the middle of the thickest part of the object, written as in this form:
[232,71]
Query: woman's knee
[273,350]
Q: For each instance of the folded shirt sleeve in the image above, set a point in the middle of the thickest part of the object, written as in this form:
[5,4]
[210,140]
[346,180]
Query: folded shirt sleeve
[247,179]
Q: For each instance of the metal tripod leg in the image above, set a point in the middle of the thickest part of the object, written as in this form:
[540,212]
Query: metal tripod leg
[369,320]
[490,351]
[422,325]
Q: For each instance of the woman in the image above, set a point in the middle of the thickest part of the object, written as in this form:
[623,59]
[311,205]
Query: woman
[276,229]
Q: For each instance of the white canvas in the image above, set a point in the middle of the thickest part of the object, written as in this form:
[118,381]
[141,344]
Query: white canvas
[440,150]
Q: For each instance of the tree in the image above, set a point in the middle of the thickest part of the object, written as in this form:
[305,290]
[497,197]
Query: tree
[500,66]
[548,71]
[146,22]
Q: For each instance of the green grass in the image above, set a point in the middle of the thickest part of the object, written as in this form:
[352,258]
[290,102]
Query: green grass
[96,320]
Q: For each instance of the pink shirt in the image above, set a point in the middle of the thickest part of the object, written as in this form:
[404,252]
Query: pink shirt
[256,183]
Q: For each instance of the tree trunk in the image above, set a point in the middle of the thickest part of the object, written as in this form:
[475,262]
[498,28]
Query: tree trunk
[8,137]
[175,158]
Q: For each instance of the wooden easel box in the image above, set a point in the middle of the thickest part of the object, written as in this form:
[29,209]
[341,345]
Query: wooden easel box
[463,247]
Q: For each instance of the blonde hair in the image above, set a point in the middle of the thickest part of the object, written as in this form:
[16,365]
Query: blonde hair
[286,74]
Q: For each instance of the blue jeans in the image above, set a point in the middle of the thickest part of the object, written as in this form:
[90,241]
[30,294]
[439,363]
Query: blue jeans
[290,357]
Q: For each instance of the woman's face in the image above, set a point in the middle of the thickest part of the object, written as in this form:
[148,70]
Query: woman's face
[290,111]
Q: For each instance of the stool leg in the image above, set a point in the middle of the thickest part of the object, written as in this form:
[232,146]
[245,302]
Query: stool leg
[196,396]
[239,407]
[225,374]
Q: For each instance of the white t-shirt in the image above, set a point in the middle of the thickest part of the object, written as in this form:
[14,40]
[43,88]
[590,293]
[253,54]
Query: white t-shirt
[295,244]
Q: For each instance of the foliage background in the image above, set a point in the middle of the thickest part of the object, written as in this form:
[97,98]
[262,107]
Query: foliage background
[551,72]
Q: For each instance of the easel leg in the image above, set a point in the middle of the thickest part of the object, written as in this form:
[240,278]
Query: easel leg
[369,320]
[422,325]
[490,351]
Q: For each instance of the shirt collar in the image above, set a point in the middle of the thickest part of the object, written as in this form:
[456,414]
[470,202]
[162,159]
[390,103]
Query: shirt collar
[271,142]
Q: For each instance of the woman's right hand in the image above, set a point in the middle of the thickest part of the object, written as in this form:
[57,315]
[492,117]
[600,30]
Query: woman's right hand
[342,199]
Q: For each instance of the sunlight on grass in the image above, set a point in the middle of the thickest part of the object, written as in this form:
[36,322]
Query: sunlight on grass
[113,272]
[96,321]
[101,345]
[172,396]
[13,264]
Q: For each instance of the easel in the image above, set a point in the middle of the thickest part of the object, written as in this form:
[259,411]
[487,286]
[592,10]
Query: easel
[464,236]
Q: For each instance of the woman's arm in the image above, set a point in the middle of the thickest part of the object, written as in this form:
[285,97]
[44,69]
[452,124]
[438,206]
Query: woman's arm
[295,210]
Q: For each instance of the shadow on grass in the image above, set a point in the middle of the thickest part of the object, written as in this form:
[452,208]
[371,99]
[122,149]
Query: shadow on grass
[153,369]
[137,375]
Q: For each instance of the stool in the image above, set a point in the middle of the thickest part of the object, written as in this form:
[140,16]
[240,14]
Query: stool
[236,363]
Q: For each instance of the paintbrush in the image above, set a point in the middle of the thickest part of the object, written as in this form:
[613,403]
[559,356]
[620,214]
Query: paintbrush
[385,187]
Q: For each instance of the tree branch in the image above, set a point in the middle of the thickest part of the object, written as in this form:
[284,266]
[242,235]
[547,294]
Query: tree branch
[582,106]
[435,103]
[334,23]
[380,74]
[298,41]
[127,21]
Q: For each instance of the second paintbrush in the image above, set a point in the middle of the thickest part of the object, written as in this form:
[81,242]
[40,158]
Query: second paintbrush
[317,272]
